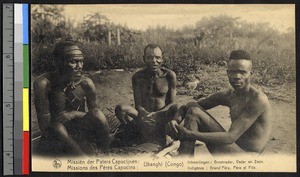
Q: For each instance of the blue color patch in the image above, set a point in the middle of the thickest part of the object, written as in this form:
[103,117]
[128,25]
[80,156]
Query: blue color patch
[25,23]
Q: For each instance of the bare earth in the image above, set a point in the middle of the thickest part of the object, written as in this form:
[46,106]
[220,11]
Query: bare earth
[114,87]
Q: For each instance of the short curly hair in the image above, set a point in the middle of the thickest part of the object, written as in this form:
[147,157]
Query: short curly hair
[240,55]
[152,46]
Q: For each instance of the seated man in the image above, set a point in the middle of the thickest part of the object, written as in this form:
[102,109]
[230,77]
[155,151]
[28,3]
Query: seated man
[60,98]
[250,114]
[154,89]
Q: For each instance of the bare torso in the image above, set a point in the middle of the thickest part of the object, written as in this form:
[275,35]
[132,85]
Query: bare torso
[58,100]
[153,92]
[254,138]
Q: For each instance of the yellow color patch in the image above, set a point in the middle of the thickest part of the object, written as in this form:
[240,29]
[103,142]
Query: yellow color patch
[25,109]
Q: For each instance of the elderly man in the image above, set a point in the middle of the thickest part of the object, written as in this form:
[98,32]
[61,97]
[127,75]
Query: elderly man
[154,90]
[250,114]
[60,98]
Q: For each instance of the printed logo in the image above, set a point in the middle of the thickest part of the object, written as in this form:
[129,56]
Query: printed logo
[56,163]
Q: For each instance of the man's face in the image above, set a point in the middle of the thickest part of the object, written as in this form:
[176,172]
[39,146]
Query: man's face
[153,58]
[73,62]
[239,72]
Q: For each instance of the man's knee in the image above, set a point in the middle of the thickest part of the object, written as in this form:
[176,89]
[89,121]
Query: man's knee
[57,130]
[171,112]
[121,108]
[194,114]
[175,107]
[192,104]
[96,116]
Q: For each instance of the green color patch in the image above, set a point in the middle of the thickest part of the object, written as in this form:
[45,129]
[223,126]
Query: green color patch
[25,67]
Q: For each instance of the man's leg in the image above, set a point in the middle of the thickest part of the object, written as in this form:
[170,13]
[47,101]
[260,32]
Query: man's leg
[96,129]
[57,139]
[197,119]
[130,124]
[169,116]
[171,112]
[122,112]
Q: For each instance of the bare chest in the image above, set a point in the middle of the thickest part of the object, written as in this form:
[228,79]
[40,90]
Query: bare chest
[61,101]
[237,106]
[156,87]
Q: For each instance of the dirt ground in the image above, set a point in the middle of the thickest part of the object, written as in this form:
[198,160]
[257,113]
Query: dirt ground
[114,87]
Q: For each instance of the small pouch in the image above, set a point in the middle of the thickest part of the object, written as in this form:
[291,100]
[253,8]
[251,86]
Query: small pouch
[74,101]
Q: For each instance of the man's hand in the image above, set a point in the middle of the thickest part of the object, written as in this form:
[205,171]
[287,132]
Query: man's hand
[124,120]
[143,113]
[66,116]
[150,119]
[183,133]
[151,114]
[171,129]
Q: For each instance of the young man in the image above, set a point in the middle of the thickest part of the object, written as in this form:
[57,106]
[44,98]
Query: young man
[250,114]
[154,89]
[60,98]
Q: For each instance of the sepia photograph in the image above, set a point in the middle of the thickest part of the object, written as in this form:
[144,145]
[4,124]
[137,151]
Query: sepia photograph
[163,87]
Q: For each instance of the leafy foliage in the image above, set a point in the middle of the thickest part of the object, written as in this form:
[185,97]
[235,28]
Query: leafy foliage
[186,50]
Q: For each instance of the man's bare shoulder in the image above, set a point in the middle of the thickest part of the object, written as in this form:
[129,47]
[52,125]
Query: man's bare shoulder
[87,82]
[258,97]
[168,72]
[42,81]
[139,74]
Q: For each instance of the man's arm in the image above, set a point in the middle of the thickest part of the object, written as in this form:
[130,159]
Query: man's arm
[41,90]
[171,94]
[238,127]
[213,100]
[90,91]
[137,94]
[171,127]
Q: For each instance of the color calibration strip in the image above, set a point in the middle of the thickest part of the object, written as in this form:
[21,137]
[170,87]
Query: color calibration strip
[21,119]
[26,137]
